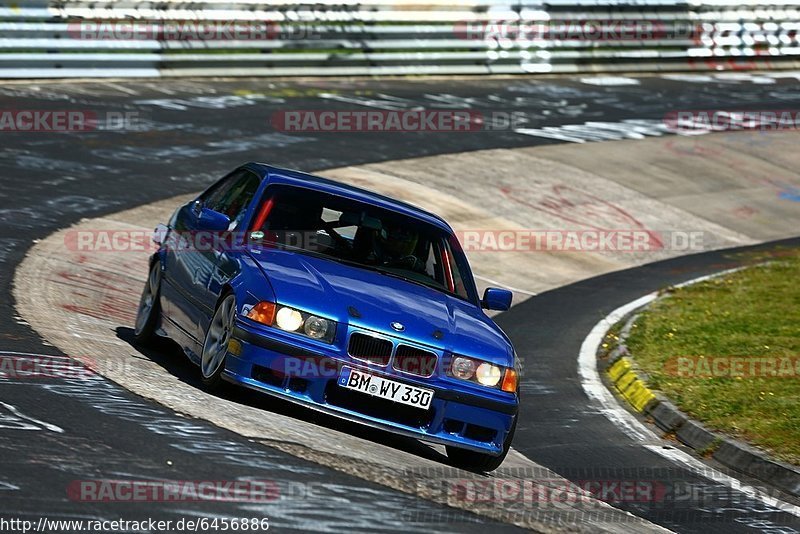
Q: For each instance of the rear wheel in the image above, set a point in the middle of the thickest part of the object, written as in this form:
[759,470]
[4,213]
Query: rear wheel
[215,346]
[149,309]
[477,461]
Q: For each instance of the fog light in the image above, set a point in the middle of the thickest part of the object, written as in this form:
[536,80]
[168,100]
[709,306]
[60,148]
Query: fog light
[235,347]
[488,374]
[289,319]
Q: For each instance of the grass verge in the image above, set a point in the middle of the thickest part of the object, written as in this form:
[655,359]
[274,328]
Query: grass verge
[727,352]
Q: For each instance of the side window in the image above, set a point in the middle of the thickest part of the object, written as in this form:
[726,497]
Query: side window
[232,196]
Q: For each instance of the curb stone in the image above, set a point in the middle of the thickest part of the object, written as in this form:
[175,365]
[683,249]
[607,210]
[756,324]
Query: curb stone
[631,384]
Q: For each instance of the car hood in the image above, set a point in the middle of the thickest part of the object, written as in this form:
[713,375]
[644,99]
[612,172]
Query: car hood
[336,290]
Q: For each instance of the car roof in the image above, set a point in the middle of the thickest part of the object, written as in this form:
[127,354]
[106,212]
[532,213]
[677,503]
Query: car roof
[279,175]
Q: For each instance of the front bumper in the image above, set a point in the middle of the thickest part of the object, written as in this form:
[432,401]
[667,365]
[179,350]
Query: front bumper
[456,417]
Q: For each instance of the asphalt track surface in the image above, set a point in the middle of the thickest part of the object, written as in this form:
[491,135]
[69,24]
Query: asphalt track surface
[196,131]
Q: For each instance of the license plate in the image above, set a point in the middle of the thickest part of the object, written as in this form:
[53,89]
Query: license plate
[385,389]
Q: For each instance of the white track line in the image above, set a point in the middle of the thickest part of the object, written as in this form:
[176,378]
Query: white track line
[15,411]
[630,424]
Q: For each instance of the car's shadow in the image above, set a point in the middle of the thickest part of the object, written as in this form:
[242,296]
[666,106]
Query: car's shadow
[172,359]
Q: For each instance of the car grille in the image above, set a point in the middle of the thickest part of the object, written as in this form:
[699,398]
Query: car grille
[414,361]
[370,349]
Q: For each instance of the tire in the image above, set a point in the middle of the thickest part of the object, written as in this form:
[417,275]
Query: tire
[149,311]
[479,462]
[215,345]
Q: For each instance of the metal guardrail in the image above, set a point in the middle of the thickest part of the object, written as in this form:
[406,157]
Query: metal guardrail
[118,38]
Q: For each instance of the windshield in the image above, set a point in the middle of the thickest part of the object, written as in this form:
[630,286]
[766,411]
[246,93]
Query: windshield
[349,231]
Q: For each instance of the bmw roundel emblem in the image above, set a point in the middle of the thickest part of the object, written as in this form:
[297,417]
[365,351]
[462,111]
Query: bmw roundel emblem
[397,326]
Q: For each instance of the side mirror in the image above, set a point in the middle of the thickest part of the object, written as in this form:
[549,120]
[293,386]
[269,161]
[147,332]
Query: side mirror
[160,234]
[212,221]
[496,299]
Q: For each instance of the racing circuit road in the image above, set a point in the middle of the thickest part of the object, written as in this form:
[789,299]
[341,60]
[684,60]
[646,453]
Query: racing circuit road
[54,431]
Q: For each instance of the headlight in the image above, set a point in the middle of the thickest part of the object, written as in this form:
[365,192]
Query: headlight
[289,319]
[316,327]
[484,373]
[488,374]
[463,368]
[292,320]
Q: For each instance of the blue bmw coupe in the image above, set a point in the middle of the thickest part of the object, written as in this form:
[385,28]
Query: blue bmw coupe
[339,299]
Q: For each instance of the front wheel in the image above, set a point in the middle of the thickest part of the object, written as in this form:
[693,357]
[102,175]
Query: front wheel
[149,308]
[215,346]
[477,461]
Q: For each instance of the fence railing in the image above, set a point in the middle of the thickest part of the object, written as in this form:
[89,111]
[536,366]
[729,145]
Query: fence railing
[56,39]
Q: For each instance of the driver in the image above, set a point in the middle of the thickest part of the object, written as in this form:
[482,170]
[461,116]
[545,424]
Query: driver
[397,244]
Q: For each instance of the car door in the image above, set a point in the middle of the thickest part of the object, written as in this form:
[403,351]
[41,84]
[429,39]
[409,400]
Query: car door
[220,261]
[192,259]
